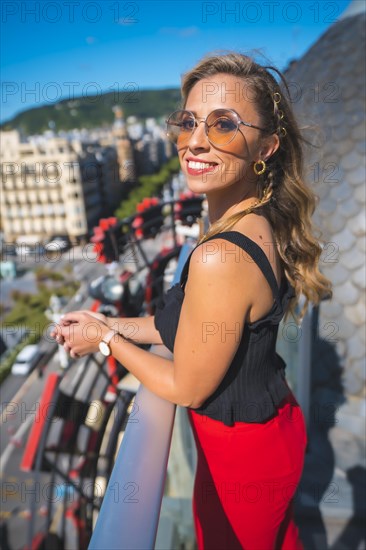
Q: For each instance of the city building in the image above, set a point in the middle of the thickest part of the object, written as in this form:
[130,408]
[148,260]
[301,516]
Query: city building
[152,149]
[124,148]
[63,184]
[55,185]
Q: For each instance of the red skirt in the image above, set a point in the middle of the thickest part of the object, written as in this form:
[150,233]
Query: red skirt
[246,478]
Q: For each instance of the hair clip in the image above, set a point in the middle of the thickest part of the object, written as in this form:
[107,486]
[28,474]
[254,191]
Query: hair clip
[276,97]
[283,131]
[280,114]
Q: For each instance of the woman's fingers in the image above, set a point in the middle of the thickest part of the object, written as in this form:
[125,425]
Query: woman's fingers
[72,317]
[70,351]
[57,335]
[67,348]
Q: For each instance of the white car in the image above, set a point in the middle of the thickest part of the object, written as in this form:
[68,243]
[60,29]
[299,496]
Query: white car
[57,244]
[26,360]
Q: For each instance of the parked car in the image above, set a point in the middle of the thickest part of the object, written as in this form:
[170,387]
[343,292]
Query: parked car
[26,360]
[58,243]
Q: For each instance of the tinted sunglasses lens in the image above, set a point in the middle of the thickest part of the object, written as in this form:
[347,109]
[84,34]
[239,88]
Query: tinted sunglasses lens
[180,126]
[222,127]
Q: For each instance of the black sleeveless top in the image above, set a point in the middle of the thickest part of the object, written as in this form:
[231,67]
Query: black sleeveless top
[255,383]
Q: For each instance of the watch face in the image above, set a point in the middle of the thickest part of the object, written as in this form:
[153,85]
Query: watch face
[104,348]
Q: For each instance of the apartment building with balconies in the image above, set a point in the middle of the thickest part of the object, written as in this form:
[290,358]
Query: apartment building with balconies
[52,185]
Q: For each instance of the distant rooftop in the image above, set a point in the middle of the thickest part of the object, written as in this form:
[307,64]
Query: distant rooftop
[355,7]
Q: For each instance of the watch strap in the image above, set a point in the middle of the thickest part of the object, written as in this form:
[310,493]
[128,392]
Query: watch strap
[108,337]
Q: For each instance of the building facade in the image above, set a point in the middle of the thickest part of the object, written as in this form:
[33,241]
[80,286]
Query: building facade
[53,185]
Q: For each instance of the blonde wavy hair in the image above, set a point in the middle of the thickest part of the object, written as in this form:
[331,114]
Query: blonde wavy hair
[285,200]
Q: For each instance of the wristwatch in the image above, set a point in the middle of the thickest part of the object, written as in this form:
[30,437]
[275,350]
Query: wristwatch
[104,346]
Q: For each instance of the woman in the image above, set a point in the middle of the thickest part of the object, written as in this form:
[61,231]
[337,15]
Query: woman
[238,143]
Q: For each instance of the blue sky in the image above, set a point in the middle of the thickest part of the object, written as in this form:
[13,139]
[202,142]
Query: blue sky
[52,50]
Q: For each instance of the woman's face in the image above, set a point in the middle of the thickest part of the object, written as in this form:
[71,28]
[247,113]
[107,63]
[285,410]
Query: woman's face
[228,165]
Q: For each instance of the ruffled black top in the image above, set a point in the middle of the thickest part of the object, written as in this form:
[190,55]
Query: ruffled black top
[255,382]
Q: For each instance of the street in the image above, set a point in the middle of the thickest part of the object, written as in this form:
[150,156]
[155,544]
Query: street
[20,405]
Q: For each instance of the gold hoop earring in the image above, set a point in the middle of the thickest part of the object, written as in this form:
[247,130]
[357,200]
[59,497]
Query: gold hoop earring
[259,171]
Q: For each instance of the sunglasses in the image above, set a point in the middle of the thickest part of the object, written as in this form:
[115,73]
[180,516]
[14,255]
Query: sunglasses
[221,126]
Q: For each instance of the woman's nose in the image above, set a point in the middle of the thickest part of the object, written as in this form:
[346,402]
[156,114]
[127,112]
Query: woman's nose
[198,139]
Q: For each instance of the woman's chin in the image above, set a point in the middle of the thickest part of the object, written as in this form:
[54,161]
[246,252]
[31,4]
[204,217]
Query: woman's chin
[196,187]
[200,184]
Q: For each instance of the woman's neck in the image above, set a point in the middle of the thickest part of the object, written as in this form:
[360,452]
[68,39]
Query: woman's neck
[222,207]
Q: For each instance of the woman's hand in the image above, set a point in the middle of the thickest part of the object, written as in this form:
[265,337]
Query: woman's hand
[57,332]
[81,331]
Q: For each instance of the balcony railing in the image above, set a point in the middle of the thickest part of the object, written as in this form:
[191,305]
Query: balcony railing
[294,345]
[130,512]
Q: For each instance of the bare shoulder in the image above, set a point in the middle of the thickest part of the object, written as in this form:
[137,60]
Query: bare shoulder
[217,260]
[258,229]
[220,267]
[220,254]
[218,271]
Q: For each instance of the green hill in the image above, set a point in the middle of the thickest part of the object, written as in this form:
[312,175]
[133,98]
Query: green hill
[95,111]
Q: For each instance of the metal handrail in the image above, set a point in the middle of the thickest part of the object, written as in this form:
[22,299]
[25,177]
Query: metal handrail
[130,511]
[304,364]
[296,350]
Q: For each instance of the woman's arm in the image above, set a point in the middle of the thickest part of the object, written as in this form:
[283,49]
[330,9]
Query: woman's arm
[140,330]
[219,295]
